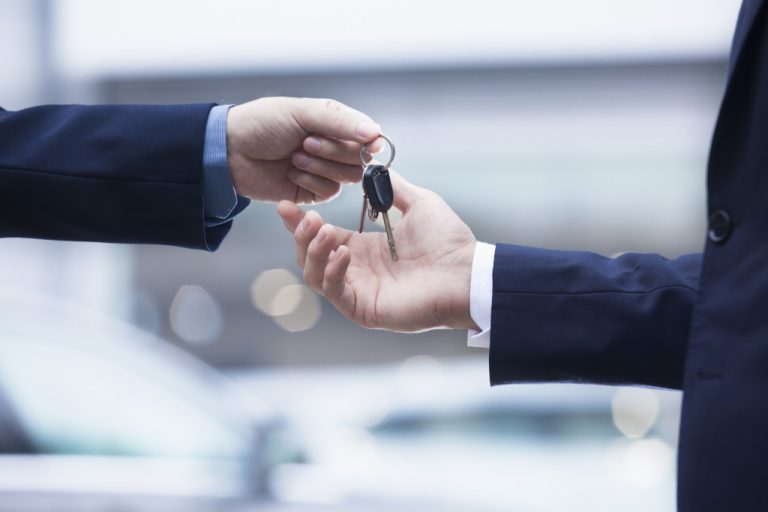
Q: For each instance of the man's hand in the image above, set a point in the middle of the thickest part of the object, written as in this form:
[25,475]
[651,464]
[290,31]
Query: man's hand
[300,149]
[428,287]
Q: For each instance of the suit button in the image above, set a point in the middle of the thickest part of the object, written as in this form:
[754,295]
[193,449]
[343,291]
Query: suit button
[719,226]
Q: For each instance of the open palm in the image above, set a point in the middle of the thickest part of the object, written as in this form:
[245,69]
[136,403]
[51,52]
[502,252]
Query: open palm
[428,287]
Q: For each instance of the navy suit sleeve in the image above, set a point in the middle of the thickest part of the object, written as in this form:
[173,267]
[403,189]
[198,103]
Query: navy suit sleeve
[122,173]
[561,316]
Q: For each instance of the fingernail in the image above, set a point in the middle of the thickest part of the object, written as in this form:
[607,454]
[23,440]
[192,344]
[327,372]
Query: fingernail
[301,160]
[322,235]
[304,224]
[367,130]
[312,144]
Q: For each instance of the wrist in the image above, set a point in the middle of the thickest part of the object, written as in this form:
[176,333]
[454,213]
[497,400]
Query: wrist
[458,314]
[235,157]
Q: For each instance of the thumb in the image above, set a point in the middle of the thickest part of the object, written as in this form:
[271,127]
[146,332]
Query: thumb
[332,118]
[406,193]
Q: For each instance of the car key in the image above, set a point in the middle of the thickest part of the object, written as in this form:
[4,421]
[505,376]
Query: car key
[378,190]
[378,195]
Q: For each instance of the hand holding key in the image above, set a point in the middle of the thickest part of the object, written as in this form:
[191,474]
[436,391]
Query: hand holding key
[302,149]
[428,287]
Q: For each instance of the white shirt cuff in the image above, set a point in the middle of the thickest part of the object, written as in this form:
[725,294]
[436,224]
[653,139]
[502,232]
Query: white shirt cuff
[481,295]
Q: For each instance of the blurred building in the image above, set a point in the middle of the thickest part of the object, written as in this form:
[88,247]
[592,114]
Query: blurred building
[589,135]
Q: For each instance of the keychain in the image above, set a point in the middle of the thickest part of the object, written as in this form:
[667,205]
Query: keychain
[378,195]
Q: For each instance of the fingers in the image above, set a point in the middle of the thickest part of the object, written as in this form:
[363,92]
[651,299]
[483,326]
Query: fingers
[335,160]
[341,150]
[331,118]
[326,265]
[374,148]
[331,149]
[322,189]
[335,287]
[305,232]
[291,214]
[318,252]
[333,171]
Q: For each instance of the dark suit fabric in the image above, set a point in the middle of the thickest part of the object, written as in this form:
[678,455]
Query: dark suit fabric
[128,173]
[697,323]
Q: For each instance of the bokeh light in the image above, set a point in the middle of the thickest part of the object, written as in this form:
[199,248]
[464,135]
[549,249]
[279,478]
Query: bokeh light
[195,315]
[265,292]
[306,312]
[635,411]
[647,462]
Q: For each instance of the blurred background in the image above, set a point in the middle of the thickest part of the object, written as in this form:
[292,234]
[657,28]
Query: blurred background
[155,378]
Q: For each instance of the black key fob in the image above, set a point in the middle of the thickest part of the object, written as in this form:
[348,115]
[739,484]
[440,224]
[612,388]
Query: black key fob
[378,187]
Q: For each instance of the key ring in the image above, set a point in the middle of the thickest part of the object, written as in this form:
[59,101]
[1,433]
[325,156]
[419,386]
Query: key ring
[391,149]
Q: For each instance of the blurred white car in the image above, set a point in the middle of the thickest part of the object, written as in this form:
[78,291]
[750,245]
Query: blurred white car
[98,415]
[433,435]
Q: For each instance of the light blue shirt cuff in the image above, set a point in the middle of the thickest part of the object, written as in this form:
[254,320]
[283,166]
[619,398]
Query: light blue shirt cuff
[220,198]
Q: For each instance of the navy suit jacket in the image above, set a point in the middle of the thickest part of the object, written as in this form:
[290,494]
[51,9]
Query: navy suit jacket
[128,173]
[697,323]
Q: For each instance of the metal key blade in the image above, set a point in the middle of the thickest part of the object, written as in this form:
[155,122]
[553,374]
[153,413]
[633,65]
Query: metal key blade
[390,236]
[362,214]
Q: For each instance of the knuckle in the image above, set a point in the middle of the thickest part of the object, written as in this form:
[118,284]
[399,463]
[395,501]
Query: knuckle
[305,240]
[333,105]
[319,145]
[335,111]
[301,237]
[301,161]
[313,251]
[310,277]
